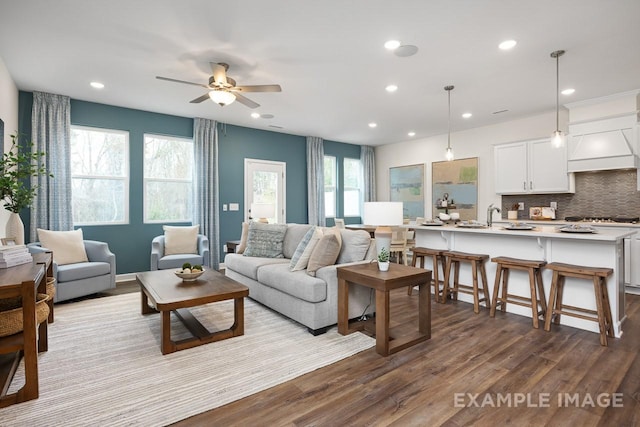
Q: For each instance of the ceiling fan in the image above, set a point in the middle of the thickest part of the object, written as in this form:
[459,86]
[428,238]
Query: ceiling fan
[223,89]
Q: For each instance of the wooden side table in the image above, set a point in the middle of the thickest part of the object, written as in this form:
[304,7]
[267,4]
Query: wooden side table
[398,276]
[232,245]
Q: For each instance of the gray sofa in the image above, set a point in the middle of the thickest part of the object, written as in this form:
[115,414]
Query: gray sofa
[311,301]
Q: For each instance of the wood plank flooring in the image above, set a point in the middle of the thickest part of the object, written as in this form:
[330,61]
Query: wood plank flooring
[560,375]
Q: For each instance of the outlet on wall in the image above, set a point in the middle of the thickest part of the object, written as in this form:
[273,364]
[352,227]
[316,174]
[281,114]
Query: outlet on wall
[520,206]
[554,205]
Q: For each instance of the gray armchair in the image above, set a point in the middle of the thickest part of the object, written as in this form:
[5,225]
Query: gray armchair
[160,261]
[83,278]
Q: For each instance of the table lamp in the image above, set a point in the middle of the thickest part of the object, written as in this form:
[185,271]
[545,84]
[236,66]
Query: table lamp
[384,215]
[261,211]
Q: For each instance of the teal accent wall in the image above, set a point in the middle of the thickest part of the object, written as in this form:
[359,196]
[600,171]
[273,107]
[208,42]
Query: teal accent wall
[132,242]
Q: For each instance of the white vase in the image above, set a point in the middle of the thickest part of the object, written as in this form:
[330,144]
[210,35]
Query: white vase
[383,266]
[15,228]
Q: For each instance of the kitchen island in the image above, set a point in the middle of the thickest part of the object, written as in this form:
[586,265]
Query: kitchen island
[604,248]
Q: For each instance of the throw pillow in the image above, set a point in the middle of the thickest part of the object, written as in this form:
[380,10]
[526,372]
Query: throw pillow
[67,246]
[302,254]
[265,240]
[325,253]
[243,238]
[355,244]
[180,240]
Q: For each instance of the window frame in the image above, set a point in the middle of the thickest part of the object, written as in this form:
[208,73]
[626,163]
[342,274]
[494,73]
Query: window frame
[358,188]
[126,178]
[146,180]
[335,187]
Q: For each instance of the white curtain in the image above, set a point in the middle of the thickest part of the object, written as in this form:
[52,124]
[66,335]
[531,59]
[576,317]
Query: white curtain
[206,190]
[51,134]
[368,161]
[315,180]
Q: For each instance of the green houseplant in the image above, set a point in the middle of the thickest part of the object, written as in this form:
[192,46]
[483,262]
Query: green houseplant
[17,166]
[383,259]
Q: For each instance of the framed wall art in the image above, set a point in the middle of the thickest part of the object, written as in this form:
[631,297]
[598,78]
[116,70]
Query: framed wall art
[457,182]
[406,185]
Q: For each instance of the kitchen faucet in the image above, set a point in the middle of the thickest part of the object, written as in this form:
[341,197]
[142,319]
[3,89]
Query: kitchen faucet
[490,211]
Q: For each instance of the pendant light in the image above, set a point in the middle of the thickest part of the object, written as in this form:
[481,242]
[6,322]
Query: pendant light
[449,153]
[558,137]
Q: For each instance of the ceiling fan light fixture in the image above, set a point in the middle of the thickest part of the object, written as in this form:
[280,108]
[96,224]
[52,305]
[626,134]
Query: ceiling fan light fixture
[222,97]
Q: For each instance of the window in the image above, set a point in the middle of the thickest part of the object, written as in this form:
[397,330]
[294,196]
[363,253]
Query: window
[330,178]
[168,179]
[99,176]
[352,187]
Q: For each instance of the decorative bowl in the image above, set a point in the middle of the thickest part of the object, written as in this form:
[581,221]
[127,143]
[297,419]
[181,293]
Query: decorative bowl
[188,277]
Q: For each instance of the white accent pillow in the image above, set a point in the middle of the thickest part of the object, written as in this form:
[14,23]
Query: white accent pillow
[67,246]
[180,240]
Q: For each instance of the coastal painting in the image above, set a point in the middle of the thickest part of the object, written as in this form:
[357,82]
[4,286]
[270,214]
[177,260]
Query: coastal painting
[406,185]
[456,182]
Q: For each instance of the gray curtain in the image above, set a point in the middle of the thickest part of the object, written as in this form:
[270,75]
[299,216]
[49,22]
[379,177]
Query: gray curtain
[368,161]
[206,190]
[315,180]
[51,134]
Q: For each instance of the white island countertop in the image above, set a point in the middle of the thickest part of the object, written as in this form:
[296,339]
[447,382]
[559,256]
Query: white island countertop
[539,230]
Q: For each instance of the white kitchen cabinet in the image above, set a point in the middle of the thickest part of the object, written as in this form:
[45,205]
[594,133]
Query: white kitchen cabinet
[531,167]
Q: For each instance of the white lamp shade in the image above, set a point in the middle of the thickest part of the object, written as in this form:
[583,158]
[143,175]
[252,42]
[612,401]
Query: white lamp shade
[263,210]
[222,97]
[383,213]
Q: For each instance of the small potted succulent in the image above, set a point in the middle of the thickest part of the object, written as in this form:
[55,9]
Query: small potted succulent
[383,259]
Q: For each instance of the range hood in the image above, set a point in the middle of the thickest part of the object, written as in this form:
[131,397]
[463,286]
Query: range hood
[603,144]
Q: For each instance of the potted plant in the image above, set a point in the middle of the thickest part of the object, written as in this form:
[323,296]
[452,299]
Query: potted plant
[17,166]
[383,259]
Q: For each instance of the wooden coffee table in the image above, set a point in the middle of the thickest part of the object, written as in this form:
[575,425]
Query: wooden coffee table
[398,276]
[167,293]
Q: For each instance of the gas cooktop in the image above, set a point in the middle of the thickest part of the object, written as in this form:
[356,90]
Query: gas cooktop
[620,219]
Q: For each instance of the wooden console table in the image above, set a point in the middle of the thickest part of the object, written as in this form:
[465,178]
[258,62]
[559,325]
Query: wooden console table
[398,276]
[25,280]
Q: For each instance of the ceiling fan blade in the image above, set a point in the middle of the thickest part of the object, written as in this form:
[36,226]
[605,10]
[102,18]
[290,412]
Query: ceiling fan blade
[257,88]
[181,81]
[219,73]
[246,101]
[200,98]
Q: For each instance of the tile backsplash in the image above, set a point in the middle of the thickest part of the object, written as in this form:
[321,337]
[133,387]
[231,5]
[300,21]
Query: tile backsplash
[602,193]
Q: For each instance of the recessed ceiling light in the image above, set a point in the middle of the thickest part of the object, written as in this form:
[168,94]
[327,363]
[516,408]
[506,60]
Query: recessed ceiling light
[569,91]
[392,44]
[96,85]
[255,115]
[507,44]
[406,50]
[391,88]
[412,133]
[372,125]
[466,115]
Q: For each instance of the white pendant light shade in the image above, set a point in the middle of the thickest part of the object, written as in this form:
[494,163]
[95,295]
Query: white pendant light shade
[449,153]
[558,137]
[222,97]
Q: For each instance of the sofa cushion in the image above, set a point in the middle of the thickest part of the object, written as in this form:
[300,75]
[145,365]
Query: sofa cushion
[295,283]
[295,233]
[180,240]
[248,266]
[243,238]
[355,244]
[67,246]
[83,270]
[326,251]
[265,240]
[176,261]
[302,254]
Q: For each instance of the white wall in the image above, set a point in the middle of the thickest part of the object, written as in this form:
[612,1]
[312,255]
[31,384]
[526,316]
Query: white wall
[476,142]
[8,114]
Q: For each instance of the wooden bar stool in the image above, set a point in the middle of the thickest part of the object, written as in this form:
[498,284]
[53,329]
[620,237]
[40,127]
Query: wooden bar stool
[419,255]
[477,266]
[537,298]
[556,308]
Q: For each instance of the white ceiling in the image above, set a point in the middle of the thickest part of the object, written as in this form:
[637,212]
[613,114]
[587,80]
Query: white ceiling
[329,58]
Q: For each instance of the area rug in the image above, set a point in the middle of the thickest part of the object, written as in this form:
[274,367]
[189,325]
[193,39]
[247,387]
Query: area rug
[104,366]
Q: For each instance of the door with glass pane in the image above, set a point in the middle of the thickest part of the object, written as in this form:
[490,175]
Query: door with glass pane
[264,188]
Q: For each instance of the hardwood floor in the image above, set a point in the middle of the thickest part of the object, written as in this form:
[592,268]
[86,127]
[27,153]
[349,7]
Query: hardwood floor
[457,378]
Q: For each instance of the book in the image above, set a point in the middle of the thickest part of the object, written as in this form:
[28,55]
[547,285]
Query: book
[12,254]
[17,261]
